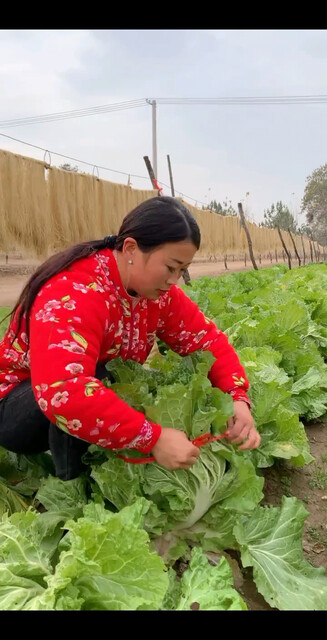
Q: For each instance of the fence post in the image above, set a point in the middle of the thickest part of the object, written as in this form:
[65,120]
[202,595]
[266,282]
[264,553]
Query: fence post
[247,233]
[311,252]
[151,173]
[295,248]
[304,256]
[285,248]
[171,178]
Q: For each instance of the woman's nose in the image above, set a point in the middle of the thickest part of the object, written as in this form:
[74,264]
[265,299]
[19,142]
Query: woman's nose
[173,279]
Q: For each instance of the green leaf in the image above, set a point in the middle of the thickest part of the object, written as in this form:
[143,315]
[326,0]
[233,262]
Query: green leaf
[109,562]
[271,542]
[211,587]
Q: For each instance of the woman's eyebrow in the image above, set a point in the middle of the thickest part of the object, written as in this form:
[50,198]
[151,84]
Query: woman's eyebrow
[179,261]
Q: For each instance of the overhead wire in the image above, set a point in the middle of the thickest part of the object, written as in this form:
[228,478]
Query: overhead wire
[125,173]
[131,104]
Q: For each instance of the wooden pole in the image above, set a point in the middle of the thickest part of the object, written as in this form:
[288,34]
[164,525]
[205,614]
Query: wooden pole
[171,178]
[295,247]
[151,173]
[311,252]
[186,275]
[285,248]
[304,256]
[247,233]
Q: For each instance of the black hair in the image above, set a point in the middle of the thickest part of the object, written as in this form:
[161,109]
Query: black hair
[152,223]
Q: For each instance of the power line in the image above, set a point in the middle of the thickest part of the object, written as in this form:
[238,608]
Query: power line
[143,102]
[132,175]
[311,99]
[76,113]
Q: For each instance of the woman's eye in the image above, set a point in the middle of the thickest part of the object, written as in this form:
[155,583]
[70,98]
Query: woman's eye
[171,269]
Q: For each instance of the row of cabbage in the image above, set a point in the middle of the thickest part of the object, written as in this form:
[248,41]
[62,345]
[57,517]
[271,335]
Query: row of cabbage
[111,539]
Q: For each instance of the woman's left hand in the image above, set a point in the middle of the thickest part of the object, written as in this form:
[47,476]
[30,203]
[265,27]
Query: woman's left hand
[241,428]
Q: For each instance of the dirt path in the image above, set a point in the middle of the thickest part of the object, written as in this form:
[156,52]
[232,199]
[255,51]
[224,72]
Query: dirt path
[14,275]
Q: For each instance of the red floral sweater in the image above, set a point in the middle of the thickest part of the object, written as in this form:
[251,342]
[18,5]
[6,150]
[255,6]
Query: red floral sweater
[84,316]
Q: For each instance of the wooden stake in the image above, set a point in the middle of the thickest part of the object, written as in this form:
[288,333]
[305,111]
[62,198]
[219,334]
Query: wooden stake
[303,249]
[247,233]
[151,173]
[295,248]
[311,252]
[171,178]
[285,248]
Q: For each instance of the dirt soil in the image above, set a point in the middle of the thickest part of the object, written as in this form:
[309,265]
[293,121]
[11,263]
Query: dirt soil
[15,273]
[309,483]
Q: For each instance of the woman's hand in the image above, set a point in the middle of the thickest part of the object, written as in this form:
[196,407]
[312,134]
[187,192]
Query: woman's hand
[241,429]
[173,450]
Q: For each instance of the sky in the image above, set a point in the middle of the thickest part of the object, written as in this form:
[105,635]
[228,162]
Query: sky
[254,154]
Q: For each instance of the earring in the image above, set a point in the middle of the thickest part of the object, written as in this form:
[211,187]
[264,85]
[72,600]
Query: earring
[130,262]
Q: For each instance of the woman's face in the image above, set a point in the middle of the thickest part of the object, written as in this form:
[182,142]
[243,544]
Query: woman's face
[151,274]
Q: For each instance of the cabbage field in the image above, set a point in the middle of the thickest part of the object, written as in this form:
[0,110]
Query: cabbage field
[128,536]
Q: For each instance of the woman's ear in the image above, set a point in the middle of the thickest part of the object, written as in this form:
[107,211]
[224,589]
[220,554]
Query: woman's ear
[129,248]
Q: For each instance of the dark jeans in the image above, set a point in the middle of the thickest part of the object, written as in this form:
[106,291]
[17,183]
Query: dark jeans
[25,429]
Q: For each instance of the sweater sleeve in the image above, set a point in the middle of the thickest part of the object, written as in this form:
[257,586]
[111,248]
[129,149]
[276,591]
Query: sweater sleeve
[185,329]
[67,326]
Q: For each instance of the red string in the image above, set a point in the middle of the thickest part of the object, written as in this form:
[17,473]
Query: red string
[156,185]
[198,442]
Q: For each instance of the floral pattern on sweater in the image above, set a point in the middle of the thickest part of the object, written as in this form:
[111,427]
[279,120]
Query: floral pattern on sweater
[83,316]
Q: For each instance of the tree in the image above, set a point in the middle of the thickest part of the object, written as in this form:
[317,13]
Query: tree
[305,230]
[314,203]
[279,216]
[69,167]
[226,209]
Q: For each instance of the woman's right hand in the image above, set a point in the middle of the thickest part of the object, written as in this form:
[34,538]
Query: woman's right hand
[173,450]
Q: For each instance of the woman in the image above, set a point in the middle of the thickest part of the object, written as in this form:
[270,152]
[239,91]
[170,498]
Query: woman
[96,301]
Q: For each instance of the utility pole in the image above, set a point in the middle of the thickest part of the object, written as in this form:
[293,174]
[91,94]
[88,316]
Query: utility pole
[154,136]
